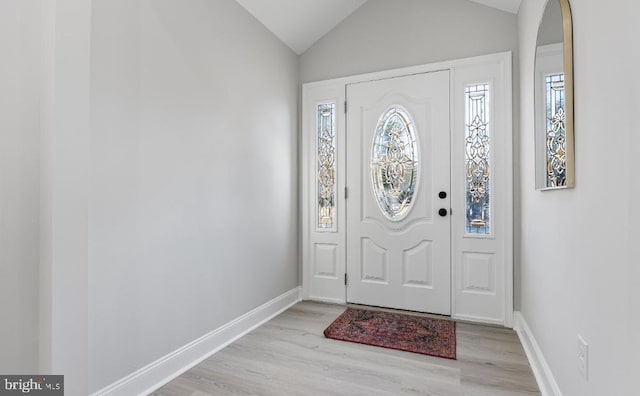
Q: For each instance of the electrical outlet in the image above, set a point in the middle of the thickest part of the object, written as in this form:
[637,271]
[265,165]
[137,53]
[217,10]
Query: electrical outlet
[583,357]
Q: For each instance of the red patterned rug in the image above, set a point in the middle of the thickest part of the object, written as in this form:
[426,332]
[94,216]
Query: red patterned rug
[429,336]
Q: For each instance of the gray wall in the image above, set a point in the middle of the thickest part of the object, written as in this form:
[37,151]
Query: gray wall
[384,35]
[193,192]
[64,178]
[20,35]
[579,257]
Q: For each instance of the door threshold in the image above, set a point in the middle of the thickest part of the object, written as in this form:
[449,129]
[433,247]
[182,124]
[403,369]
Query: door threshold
[402,311]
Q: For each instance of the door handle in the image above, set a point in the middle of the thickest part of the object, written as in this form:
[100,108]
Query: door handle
[442,212]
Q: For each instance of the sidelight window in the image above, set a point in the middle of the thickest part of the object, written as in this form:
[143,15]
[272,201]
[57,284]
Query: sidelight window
[477,159]
[326,166]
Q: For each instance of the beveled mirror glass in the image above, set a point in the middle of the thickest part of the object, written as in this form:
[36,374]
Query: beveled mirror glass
[554,132]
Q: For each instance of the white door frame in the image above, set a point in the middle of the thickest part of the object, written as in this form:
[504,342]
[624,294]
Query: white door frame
[323,253]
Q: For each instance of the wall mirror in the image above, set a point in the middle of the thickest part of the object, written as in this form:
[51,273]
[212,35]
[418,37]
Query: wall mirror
[554,134]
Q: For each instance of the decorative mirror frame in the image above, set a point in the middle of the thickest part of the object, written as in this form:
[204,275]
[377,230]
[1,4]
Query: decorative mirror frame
[567,57]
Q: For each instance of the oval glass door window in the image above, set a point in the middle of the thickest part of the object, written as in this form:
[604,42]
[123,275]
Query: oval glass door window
[394,163]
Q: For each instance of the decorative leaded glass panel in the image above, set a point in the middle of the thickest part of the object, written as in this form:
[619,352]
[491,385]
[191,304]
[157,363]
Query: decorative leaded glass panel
[326,171]
[556,135]
[477,160]
[394,163]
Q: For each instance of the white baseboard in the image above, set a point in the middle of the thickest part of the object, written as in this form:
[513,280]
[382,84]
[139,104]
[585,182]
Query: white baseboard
[544,377]
[163,370]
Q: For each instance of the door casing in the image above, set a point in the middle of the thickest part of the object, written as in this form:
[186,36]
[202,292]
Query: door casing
[482,267]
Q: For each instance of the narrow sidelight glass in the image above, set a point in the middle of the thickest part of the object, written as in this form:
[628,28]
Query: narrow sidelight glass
[326,166]
[477,159]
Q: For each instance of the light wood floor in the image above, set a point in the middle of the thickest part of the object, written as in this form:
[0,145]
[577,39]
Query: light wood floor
[290,356]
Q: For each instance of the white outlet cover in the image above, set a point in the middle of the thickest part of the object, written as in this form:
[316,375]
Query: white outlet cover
[583,357]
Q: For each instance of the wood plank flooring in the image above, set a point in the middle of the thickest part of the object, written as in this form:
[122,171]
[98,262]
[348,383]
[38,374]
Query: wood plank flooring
[290,356]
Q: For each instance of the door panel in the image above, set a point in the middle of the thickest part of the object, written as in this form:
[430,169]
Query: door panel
[398,160]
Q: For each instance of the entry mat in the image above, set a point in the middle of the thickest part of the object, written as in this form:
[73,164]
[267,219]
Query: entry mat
[406,332]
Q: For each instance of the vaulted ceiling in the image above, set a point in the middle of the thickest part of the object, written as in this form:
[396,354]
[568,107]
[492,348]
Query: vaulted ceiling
[300,23]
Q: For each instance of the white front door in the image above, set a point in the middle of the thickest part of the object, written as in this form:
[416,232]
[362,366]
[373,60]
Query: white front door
[398,180]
